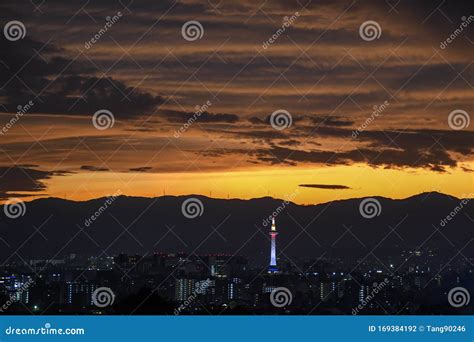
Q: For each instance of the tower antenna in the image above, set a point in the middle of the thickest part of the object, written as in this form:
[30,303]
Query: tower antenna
[273,268]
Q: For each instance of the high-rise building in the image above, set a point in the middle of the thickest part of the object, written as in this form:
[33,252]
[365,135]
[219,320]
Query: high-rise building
[327,290]
[273,268]
[183,289]
[222,266]
[79,293]
[16,287]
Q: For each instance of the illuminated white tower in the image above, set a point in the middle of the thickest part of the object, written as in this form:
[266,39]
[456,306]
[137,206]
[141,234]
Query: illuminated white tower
[272,268]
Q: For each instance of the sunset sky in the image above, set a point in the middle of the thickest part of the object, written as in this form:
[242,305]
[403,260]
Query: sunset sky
[319,71]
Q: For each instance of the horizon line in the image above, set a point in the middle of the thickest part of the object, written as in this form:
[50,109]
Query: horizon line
[235,198]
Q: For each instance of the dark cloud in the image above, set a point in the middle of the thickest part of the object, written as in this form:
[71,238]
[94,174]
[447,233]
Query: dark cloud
[140,129]
[182,117]
[86,95]
[141,169]
[337,121]
[93,168]
[257,121]
[431,149]
[60,85]
[20,181]
[315,119]
[289,142]
[325,186]
[430,157]
[266,121]
[248,132]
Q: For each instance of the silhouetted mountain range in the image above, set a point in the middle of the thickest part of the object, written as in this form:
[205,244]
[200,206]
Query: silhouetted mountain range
[53,228]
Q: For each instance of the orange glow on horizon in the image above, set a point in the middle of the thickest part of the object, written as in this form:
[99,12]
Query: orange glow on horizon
[277,182]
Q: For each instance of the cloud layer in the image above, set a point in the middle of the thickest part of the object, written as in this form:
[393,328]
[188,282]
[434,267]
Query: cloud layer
[317,68]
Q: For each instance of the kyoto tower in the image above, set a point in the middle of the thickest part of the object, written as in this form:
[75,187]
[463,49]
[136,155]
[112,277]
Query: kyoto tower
[272,268]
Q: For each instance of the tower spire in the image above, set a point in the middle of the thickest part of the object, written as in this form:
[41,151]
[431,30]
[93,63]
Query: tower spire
[273,268]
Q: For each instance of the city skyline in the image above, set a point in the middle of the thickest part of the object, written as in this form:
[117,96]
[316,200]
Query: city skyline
[202,256]
[177,283]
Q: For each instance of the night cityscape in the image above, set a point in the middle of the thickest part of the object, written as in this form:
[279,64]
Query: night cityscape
[63,267]
[414,283]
